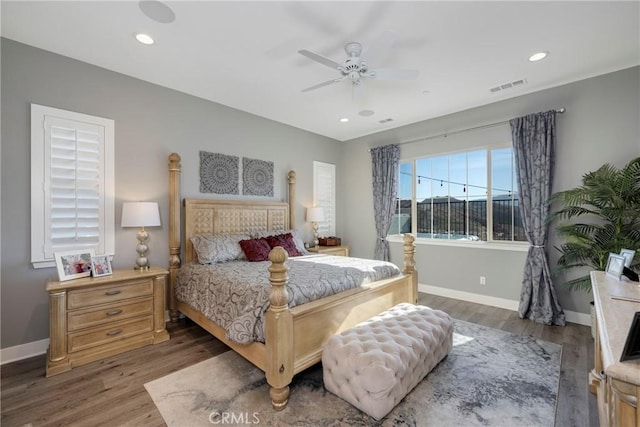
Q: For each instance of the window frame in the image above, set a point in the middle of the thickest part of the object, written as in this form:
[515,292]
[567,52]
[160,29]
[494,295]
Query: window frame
[490,243]
[328,226]
[40,182]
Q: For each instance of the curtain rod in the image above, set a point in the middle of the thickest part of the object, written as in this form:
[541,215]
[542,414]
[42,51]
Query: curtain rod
[455,132]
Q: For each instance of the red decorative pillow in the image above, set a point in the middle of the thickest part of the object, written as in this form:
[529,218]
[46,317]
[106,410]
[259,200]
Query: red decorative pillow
[255,249]
[284,240]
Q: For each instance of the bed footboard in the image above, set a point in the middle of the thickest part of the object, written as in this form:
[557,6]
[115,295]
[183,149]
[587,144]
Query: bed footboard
[278,330]
[294,337]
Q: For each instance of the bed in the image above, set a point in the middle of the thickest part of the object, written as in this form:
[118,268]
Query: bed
[293,336]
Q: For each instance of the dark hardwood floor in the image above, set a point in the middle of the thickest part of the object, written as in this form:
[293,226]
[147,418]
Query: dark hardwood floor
[111,392]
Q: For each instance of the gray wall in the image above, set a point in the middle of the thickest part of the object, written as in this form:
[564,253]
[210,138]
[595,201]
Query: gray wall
[601,125]
[150,123]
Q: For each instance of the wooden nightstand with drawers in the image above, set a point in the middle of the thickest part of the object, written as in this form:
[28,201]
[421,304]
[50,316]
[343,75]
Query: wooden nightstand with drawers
[331,250]
[93,318]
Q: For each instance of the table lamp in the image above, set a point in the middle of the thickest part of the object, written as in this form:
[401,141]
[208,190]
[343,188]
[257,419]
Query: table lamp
[315,215]
[141,214]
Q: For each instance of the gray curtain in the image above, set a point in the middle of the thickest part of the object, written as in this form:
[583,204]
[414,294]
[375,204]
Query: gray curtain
[534,138]
[384,165]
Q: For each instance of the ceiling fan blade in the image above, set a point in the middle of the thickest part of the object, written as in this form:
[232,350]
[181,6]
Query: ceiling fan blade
[380,47]
[393,74]
[321,59]
[323,84]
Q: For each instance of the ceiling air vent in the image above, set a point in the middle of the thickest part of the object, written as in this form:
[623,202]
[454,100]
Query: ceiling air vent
[508,85]
[387,120]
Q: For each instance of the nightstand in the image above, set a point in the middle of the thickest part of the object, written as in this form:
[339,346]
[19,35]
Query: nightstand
[95,317]
[331,250]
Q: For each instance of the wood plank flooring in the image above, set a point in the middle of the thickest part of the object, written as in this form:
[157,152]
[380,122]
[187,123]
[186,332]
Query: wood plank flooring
[111,392]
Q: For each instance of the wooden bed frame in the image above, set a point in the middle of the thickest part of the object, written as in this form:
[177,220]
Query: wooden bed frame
[293,336]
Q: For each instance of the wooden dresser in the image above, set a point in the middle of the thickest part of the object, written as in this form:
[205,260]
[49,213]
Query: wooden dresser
[617,384]
[331,250]
[92,318]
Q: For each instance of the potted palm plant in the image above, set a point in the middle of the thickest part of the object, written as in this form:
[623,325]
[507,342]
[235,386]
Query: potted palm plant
[598,217]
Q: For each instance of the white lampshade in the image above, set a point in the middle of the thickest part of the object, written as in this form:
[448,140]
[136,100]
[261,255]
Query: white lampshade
[315,214]
[140,214]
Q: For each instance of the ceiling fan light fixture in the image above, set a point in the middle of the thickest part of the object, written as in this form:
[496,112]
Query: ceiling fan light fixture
[144,38]
[366,113]
[538,56]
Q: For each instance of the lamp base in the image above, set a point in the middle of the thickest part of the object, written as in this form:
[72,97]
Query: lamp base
[142,262]
[316,240]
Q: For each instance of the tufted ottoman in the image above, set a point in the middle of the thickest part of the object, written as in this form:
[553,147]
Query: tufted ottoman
[376,363]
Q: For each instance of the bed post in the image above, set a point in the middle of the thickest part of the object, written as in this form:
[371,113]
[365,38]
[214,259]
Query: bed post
[278,332]
[174,231]
[409,266]
[292,199]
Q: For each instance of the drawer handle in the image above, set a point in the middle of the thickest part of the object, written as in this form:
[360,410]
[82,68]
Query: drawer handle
[114,333]
[113,312]
[113,292]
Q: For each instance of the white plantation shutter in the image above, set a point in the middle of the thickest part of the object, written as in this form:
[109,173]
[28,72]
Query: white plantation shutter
[74,202]
[324,195]
[72,184]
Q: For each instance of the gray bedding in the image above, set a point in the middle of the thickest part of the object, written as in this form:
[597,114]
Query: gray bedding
[235,294]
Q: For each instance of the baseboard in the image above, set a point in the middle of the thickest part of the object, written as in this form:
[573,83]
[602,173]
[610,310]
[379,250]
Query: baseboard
[23,351]
[469,297]
[577,317]
[570,316]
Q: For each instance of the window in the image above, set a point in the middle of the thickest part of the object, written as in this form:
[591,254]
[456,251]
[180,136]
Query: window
[72,183]
[446,197]
[324,195]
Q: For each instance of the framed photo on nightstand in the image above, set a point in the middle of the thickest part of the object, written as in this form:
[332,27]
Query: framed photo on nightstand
[100,266]
[73,264]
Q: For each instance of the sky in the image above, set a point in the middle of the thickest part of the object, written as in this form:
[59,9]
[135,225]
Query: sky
[461,175]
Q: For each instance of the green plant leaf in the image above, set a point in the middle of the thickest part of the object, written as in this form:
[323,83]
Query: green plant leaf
[608,205]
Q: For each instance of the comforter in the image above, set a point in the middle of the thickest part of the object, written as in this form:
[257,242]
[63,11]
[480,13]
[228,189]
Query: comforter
[235,294]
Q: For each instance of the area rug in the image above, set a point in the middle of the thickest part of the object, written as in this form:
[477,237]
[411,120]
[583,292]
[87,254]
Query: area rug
[490,378]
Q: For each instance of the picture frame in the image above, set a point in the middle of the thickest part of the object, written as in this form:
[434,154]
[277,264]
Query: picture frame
[628,255]
[615,265]
[101,266]
[73,264]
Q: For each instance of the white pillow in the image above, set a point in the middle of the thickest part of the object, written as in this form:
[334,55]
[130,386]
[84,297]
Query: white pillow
[218,248]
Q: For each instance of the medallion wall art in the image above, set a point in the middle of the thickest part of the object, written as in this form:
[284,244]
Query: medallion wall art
[220,174]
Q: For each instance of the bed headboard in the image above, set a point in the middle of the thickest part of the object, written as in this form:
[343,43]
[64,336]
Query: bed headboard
[212,216]
[206,216]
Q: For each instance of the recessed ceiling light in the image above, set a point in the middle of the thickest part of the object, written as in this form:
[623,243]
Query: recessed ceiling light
[144,38]
[366,113]
[538,56]
[344,120]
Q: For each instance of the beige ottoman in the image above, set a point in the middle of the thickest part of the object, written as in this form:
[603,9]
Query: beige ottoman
[376,363]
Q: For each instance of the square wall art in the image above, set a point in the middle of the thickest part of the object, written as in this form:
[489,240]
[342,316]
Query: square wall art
[219,173]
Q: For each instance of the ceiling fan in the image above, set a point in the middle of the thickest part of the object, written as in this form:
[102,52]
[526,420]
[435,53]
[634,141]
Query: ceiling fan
[356,67]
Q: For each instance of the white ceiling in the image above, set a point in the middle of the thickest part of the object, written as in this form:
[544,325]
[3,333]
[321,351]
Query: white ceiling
[244,54]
